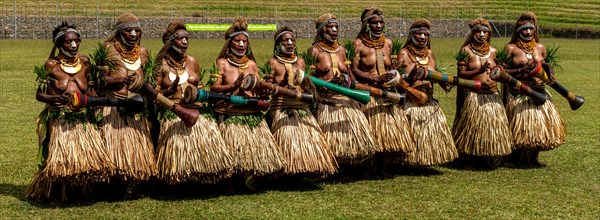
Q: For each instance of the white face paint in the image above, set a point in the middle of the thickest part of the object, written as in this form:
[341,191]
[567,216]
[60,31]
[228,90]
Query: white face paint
[177,49]
[283,49]
[241,43]
[73,45]
[67,54]
[328,38]
[378,24]
[481,33]
[334,28]
[422,36]
[133,33]
[289,42]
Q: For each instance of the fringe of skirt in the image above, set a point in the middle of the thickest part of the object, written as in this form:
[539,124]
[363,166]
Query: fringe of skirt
[196,154]
[535,127]
[254,150]
[301,142]
[482,126]
[76,157]
[389,126]
[129,145]
[346,130]
[434,141]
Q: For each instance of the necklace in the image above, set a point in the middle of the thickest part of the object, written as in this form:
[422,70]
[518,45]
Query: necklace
[70,68]
[178,65]
[373,43]
[282,60]
[129,56]
[527,47]
[331,48]
[239,65]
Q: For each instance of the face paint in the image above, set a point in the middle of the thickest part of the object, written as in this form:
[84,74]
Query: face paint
[133,33]
[184,40]
[67,54]
[241,43]
[329,38]
[289,41]
[334,28]
[283,49]
[73,45]
[378,24]
[422,36]
[177,49]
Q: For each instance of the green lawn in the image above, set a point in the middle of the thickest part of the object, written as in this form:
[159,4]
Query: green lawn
[552,13]
[567,188]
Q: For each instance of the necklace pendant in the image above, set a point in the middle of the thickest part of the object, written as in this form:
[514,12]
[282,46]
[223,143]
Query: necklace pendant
[71,69]
[131,65]
[529,56]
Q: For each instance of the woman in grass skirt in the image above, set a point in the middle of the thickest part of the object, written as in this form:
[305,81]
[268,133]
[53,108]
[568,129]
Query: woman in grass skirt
[534,128]
[197,153]
[294,127]
[71,155]
[428,122]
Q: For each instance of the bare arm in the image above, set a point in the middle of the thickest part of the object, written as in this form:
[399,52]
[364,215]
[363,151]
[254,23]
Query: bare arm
[218,85]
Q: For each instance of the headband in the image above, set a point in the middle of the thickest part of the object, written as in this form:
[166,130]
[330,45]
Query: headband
[326,23]
[480,27]
[238,33]
[419,29]
[61,33]
[527,25]
[177,33]
[371,16]
[283,32]
[127,25]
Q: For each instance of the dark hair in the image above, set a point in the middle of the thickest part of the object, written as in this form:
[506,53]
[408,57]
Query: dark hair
[64,26]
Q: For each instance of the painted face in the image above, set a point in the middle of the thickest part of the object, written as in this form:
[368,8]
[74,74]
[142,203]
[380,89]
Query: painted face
[70,44]
[481,35]
[239,44]
[420,38]
[287,42]
[331,31]
[131,36]
[180,42]
[376,25]
[526,33]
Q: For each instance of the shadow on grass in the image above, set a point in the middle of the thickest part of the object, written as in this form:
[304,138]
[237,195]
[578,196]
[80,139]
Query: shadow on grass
[236,185]
[369,171]
[16,191]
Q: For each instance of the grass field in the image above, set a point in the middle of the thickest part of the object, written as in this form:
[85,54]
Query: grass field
[552,14]
[567,188]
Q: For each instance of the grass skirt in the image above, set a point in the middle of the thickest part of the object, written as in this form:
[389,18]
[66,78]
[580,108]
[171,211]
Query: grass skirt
[303,146]
[254,150]
[389,126]
[482,126]
[196,153]
[431,133]
[128,145]
[76,157]
[346,130]
[535,127]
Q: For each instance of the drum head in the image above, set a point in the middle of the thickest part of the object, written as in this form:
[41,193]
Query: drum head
[249,82]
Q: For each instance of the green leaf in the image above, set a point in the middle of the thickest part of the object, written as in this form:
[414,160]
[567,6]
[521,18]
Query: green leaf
[150,68]
[265,69]
[552,58]
[350,50]
[462,55]
[396,46]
